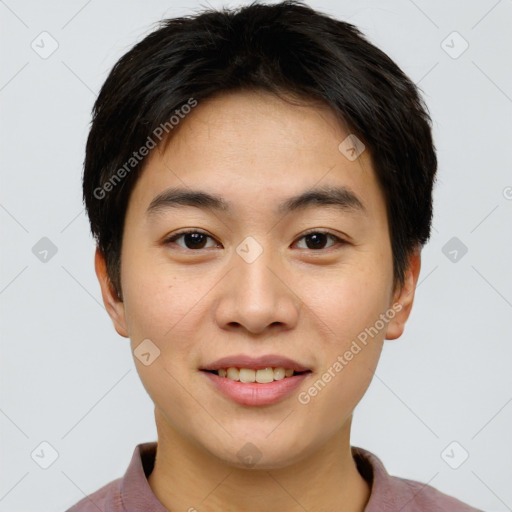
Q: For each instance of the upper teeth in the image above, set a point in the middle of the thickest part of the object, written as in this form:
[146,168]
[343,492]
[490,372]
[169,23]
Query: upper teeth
[262,376]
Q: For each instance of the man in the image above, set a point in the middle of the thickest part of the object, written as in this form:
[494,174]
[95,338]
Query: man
[224,148]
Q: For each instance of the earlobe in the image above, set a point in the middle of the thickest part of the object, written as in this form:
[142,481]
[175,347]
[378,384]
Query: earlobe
[114,306]
[404,297]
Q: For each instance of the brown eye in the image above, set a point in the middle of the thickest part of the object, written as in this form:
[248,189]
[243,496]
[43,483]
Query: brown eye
[197,240]
[316,240]
[192,239]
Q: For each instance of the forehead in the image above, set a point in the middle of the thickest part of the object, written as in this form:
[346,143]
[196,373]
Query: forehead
[256,148]
[243,120]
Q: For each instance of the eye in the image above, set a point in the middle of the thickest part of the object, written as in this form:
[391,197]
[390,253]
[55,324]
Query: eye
[317,239]
[193,239]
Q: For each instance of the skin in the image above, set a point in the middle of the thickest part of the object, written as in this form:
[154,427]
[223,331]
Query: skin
[307,303]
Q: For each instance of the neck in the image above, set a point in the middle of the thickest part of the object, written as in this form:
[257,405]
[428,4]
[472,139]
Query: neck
[186,477]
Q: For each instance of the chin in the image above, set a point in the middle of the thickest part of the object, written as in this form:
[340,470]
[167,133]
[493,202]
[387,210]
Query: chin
[260,453]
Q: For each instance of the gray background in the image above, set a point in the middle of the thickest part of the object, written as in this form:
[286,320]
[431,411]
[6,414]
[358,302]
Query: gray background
[69,380]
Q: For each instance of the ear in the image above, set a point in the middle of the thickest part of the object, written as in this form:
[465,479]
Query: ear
[404,297]
[114,306]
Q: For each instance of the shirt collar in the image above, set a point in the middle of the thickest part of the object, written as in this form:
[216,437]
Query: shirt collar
[136,494]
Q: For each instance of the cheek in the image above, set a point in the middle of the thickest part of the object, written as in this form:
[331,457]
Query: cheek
[349,310]
[160,307]
[155,298]
[347,313]
[349,303]
[167,306]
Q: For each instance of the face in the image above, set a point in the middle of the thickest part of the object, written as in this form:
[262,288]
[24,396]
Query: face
[305,282]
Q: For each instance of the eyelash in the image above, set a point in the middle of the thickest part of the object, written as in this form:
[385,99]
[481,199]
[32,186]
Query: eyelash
[174,237]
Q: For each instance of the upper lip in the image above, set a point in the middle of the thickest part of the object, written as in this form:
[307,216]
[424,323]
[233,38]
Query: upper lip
[255,363]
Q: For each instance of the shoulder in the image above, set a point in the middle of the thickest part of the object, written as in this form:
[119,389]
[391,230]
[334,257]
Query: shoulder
[391,493]
[130,492]
[106,499]
[421,497]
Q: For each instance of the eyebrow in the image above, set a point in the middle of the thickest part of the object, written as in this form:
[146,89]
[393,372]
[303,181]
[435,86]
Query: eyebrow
[339,197]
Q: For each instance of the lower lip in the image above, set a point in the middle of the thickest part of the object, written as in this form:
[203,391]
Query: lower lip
[254,393]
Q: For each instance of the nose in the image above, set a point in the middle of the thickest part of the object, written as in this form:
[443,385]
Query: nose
[257,296]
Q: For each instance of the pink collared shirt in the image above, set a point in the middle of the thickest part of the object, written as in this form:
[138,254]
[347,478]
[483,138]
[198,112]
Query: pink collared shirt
[132,492]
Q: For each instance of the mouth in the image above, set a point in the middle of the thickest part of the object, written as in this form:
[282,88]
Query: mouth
[249,368]
[251,375]
[256,386]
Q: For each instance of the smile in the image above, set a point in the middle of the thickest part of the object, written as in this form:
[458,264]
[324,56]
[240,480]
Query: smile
[251,392]
[262,376]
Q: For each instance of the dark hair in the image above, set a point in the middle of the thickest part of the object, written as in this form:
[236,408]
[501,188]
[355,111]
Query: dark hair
[285,48]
